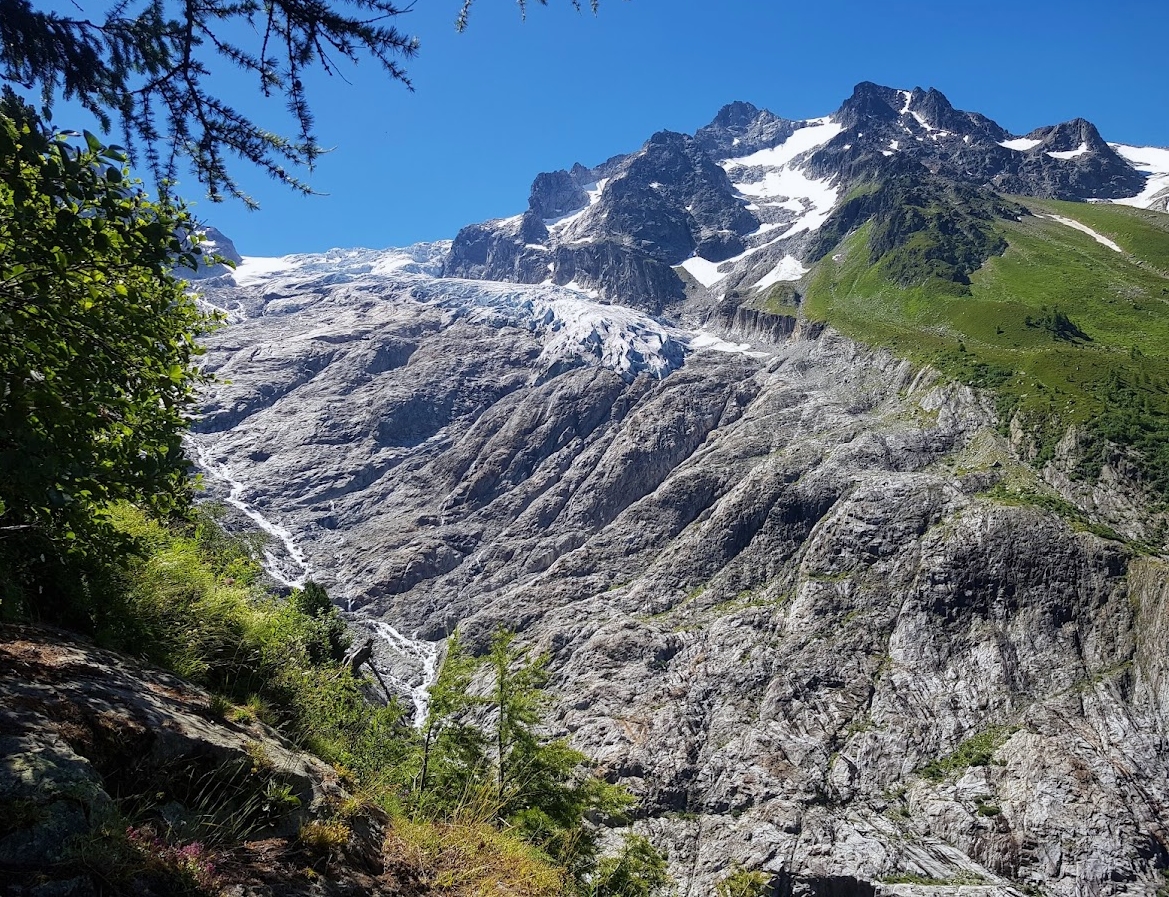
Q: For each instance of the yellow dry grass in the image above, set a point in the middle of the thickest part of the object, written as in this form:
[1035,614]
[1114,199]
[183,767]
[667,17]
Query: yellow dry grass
[473,860]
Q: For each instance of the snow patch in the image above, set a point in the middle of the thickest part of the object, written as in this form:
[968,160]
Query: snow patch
[705,272]
[593,191]
[1020,144]
[791,183]
[577,288]
[702,339]
[255,268]
[1151,160]
[800,142]
[787,270]
[1072,223]
[921,121]
[1070,154]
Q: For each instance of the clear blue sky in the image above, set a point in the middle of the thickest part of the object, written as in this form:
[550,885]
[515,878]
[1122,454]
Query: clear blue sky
[507,99]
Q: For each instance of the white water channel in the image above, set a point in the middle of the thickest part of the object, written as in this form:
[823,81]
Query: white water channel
[295,570]
[276,567]
[425,653]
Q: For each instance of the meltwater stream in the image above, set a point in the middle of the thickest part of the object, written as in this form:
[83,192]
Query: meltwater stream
[276,567]
[426,653]
[295,570]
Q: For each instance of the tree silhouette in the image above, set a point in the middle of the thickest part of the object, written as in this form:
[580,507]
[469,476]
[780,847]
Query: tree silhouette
[145,66]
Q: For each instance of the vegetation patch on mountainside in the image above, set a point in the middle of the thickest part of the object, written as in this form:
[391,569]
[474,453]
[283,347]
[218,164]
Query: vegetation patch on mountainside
[1066,330]
[925,230]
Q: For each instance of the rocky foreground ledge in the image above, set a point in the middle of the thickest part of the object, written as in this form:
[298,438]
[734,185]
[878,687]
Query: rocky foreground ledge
[87,735]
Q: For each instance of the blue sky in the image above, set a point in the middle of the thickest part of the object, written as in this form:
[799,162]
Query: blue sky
[509,98]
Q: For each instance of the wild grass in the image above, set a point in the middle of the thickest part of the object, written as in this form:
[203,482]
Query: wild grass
[742,882]
[193,603]
[473,859]
[192,600]
[978,750]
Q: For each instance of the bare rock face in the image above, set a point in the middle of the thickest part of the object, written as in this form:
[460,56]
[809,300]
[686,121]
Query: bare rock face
[782,601]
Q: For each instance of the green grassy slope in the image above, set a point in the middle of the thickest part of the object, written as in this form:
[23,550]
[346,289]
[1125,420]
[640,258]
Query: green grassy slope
[1065,329]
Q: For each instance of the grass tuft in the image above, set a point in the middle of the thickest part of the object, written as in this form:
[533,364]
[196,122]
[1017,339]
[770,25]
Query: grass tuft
[978,750]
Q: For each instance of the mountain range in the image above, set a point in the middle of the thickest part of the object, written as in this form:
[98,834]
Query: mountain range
[826,458]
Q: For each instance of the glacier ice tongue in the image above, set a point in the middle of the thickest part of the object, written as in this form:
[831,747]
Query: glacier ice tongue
[572,325]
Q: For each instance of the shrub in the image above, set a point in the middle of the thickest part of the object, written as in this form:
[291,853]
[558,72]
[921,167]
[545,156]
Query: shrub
[637,871]
[744,883]
[97,369]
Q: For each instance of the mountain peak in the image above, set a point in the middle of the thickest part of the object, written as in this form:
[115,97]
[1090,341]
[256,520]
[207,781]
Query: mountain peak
[871,101]
[738,114]
[741,128]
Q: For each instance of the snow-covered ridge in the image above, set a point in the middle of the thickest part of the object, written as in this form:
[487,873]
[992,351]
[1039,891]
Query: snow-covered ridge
[421,258]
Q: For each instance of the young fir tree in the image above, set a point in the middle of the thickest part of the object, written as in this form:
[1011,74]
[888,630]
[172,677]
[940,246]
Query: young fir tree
[487,756]
[542,786]
[453,763]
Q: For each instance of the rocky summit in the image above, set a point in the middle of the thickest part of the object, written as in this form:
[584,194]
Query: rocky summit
[803,447]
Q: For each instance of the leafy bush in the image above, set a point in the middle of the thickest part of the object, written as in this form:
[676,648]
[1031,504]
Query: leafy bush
[97,368]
